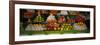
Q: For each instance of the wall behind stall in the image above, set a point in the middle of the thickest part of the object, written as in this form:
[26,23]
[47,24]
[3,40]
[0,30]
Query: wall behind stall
[4,23]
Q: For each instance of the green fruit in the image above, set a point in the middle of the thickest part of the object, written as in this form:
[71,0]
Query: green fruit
[38,19]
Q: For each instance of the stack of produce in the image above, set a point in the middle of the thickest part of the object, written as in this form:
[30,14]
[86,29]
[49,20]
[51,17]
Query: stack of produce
[39,27]
[29,27]
[52,26]
[79,26]
[66,27]
[35,27]
[38,18]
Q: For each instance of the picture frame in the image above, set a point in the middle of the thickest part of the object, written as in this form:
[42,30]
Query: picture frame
[14,25]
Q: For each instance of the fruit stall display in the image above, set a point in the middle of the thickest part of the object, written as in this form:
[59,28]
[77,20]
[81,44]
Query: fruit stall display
[66,22]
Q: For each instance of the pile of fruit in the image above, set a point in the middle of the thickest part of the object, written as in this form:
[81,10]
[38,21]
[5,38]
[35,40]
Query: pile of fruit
[79,26]
[39,27]
[35,27]
[52,26]
[39,19]
[66,27]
